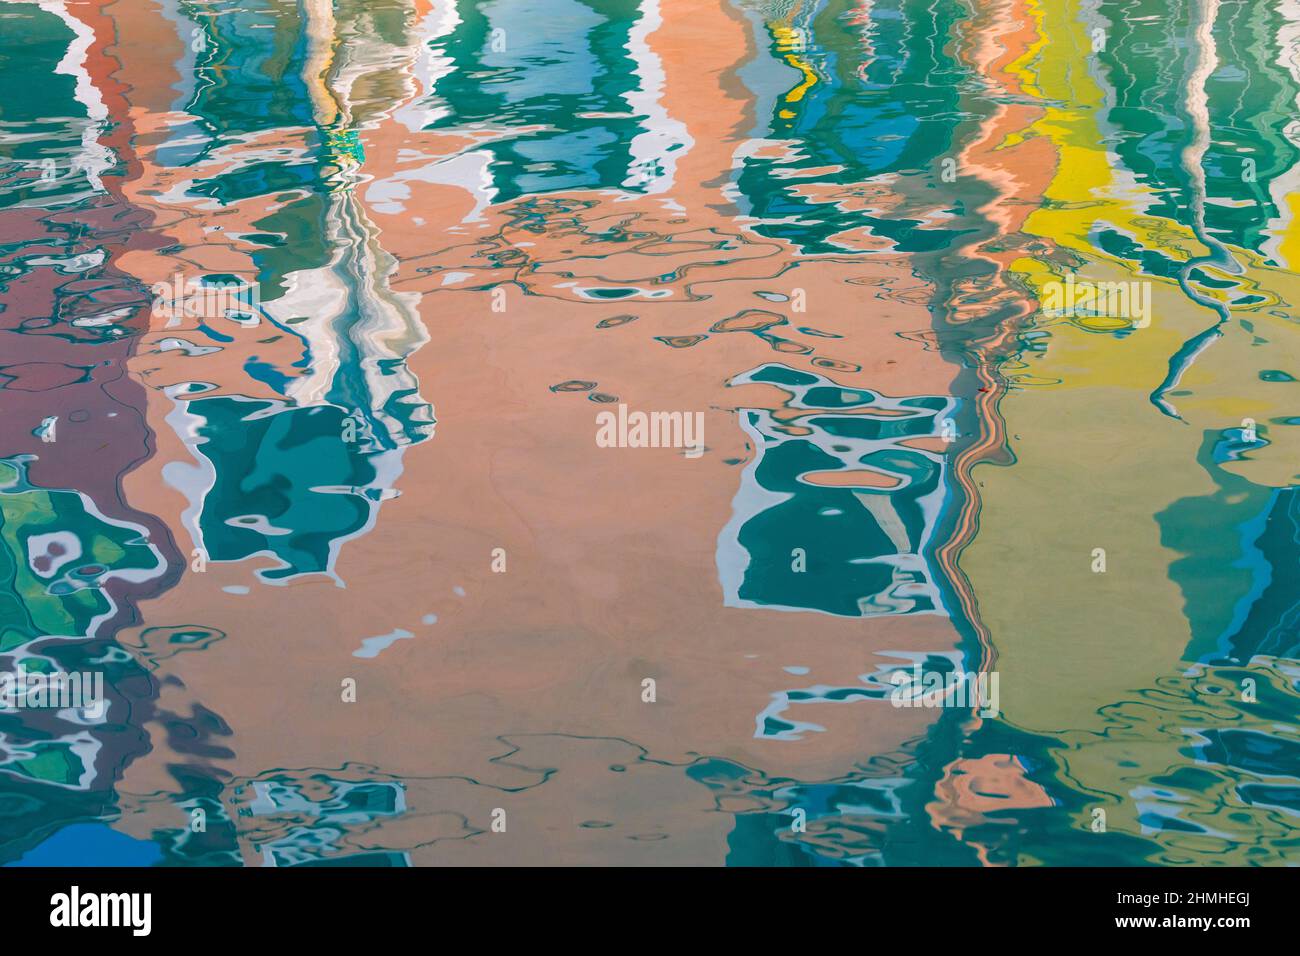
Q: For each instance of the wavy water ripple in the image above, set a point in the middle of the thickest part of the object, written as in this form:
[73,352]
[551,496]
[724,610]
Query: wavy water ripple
[553,432]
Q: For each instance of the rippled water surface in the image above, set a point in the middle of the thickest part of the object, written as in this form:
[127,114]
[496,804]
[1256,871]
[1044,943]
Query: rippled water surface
[327,330]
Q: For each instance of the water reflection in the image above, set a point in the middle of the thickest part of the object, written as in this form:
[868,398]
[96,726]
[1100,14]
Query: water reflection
[365,589]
